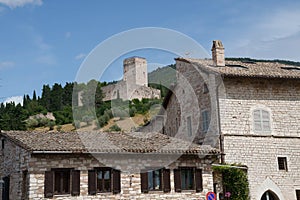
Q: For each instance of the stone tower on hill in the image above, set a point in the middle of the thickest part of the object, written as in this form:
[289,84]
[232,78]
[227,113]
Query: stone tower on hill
[134,84]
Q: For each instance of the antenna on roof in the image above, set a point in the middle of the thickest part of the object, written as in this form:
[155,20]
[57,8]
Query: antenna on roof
[187,53]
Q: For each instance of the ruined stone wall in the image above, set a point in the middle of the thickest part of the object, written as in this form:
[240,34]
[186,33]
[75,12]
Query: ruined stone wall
[259,151]
[14,161]
[130,180]
[128,92]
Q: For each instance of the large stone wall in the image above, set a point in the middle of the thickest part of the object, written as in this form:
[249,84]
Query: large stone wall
[14,161]
[259,151]
[130,180]
[190,99]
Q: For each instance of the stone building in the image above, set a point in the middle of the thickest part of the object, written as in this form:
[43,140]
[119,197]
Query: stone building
[94,165]
[248,110]
[134,84]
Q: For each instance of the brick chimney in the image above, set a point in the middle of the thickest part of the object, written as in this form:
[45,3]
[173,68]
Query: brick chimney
[218,53]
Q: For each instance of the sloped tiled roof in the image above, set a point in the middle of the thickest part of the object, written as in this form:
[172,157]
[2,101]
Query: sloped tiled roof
[100,142]
[248,69]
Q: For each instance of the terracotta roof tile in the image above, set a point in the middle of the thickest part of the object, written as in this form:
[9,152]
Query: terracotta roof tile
[100,142]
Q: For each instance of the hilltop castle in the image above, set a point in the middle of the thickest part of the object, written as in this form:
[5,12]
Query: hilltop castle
[134,84]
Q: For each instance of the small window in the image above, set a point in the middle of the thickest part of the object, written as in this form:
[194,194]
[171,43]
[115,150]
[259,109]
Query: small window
[156,180]
[188,178]
[2,144]
[104,179]
[205,88]
[205,120]
[282,163]
[261,120]
[62,182]
[298,194]
[189,126]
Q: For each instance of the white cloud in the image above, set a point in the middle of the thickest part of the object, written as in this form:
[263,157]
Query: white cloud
[20,3]
[80,56]
[47,59]
[68,35]
[6,64]
[16,99]
[275,35]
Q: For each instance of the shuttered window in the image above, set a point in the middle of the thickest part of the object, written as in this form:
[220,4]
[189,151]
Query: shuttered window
[101,180]
[261,120]
[58,181]
[186,178]
[156,180]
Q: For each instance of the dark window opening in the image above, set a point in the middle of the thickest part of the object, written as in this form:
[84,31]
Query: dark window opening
[103,180]
[156,180]
[2,144]
[62,182]
[298,194]
[188,178]
[282,163]
[205,88]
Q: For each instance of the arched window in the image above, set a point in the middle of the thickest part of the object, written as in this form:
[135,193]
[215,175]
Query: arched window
[269,195]
[261,120]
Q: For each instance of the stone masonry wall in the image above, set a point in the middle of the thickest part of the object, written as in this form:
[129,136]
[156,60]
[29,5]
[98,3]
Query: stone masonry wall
[259,151]
[130,181]
[190,99]
[14,161]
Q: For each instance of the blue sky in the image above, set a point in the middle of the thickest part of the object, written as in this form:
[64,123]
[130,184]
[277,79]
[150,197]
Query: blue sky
[45,41]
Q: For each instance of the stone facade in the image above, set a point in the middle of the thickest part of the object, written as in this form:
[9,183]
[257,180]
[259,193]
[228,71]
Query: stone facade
[236,90]
[134,84]
[30,185]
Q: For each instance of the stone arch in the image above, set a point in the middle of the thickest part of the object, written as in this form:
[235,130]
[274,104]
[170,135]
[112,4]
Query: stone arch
[269,195]
[268,185]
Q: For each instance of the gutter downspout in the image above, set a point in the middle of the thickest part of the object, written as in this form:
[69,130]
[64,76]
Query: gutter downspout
[221,137]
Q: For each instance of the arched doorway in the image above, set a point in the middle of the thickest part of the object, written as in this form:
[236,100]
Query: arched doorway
[269,195]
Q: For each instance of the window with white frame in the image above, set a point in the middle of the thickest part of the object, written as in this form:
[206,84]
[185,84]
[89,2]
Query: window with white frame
[261,120]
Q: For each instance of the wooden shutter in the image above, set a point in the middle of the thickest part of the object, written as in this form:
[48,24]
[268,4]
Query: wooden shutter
[198,177]
[92,182]
[75,174]
[48,189]
[257,120]
[166,180]
[177,180]
[144,182]
[116,181]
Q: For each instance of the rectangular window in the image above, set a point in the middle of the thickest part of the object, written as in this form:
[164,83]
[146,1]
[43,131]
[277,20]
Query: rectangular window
[2,144]
[298,194]
[156,180]
[282,163]
[189,126]
[62,181]
[188,178]
[261,120]
[205,120]
[104,179]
